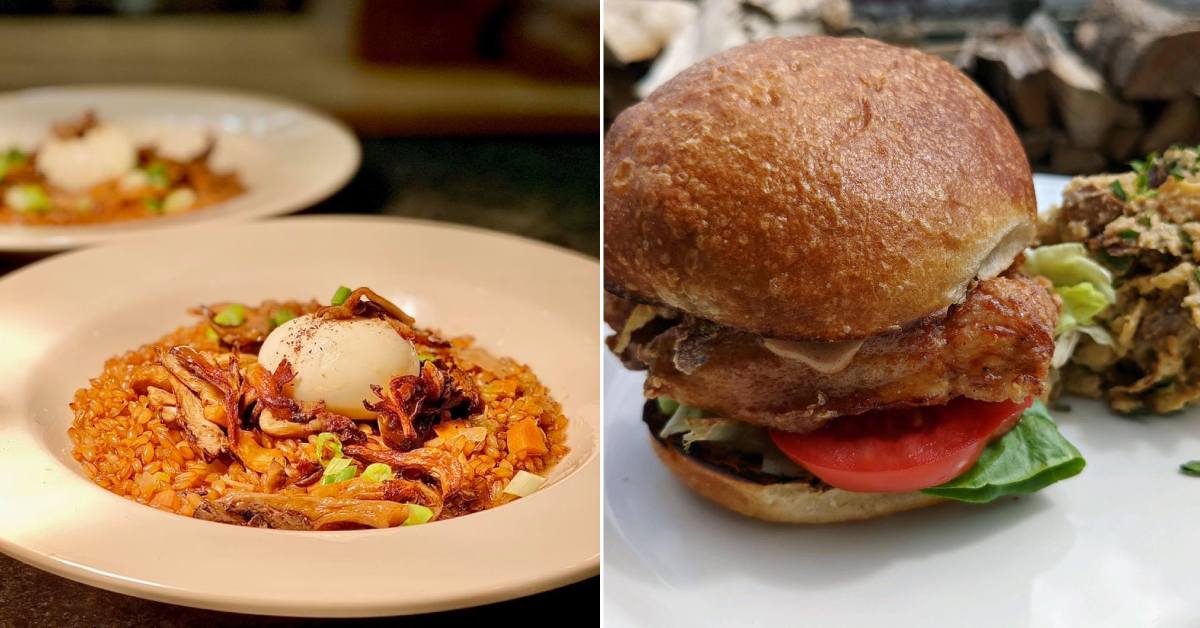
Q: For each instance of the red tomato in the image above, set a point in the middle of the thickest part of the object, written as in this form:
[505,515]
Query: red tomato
[899,451]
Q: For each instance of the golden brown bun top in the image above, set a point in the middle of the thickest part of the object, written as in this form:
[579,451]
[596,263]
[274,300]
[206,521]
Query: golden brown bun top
[813,188]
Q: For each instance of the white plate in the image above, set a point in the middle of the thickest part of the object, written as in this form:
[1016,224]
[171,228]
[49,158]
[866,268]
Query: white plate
[63,317]
[288,156]
[1115,546]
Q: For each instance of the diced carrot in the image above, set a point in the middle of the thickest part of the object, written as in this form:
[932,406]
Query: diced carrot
[525,437]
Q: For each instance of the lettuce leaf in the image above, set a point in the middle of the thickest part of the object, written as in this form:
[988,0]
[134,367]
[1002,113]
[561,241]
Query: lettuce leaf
[1085,287]
[1068,264]
[1032,456]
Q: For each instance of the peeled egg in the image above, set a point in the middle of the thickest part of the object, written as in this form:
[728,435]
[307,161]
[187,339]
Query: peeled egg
[337,361]
[76,164]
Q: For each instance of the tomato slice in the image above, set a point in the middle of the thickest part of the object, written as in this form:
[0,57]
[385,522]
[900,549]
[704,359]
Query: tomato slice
[903,450]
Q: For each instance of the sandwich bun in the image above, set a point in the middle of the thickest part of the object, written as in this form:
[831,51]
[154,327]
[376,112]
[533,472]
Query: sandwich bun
[813,188]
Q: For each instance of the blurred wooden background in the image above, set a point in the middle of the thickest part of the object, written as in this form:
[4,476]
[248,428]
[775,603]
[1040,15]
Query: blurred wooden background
[1088,84]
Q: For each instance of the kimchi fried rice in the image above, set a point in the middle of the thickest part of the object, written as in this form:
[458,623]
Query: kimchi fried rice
[461,432]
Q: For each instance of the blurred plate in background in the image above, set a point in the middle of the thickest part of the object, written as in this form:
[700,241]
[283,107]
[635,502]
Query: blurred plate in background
[288,156]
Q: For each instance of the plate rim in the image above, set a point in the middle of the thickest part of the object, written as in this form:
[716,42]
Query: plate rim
[14,241]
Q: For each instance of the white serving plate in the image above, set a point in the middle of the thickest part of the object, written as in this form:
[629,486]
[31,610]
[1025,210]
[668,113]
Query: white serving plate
[1115,546]
[289,157]
[61,318]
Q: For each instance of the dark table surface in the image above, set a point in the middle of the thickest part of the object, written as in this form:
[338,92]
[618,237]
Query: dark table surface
[543,188]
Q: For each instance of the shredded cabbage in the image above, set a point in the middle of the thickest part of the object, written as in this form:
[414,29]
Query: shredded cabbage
[1086,289]
[1068,264]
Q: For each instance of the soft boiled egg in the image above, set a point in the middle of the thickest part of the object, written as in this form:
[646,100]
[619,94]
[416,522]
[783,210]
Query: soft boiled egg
[337,360]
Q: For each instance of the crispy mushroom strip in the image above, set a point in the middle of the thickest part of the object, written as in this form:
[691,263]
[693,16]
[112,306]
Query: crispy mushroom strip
[200,431]
[280,415]
[411,404]
[77,127]
[426,462]
[227,380]
[366,303]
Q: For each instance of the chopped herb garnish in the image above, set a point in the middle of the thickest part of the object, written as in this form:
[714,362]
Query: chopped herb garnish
[340,296]
[1119,263]
[1196,274]
[328,441]
[1144,220]
[155,205]
[338,470]
[156,175]
[279,317]
[1129,234]
[1118,190]
[1186,237]
[426,356]
[1191,467]
[231,315]
[211,334]
[1177,172]
[377,472]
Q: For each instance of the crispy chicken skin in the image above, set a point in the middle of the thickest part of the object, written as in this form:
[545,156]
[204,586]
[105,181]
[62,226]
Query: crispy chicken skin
[996,345]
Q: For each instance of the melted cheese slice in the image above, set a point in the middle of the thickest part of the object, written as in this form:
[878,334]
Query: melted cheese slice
[822,357]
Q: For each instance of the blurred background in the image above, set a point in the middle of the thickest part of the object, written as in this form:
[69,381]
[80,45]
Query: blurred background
[481,112]
[476,111]
[1088,84]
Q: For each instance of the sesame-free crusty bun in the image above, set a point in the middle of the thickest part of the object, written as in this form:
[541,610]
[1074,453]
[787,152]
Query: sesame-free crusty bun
[786,502]
[813,188]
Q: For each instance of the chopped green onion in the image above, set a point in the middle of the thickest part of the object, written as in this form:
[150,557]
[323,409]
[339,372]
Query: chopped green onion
[377,472]
[231,315]
[426,356]
[27,198]
[340,296]
[524,483]
[1191,467]
[14,157]
[1118,190]
[1129,234]
[328,440]
[279,317]
[154,204]
[211,334]
[156,175]
[417,514]
[339,470]
[1177,172]
[1144,220]
[667,405]
[1186,237]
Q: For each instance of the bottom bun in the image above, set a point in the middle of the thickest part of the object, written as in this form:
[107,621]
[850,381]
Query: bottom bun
[784,502]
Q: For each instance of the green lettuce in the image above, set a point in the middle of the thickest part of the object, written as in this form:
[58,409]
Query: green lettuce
[1030,457]
[1086,289]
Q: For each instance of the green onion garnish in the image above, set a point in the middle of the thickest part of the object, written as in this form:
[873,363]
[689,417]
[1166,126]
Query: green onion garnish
[1129,234]
[1118,190]
[338,470]
[231,315]
[426,356]
[340,296]
[327,440]
[279,317]
[667,405]
[417,514]
[377,472]
[27,198]
[153,204]
[211,334]
[1191,467]
[156,175]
